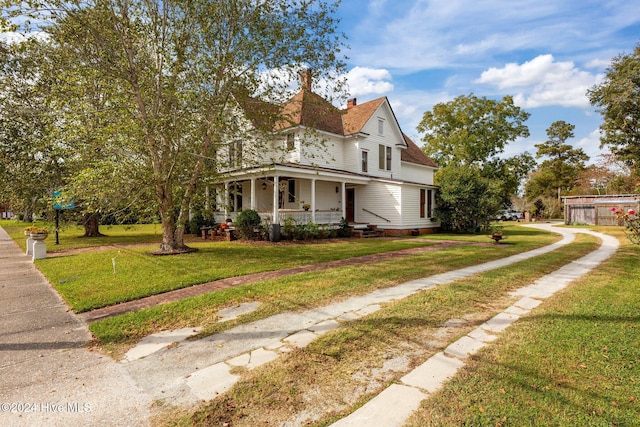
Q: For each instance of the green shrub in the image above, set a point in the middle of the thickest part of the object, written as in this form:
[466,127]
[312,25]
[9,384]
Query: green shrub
[343,228]
[196,222]
[311,230]
[246,223]
[289,228]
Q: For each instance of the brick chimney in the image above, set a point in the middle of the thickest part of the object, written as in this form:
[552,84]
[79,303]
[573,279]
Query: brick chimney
[351,103]
[306,77]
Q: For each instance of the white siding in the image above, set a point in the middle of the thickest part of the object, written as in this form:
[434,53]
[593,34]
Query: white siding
[383,199]
[417,173]
[390,138]
[411,208]
[351,148]
[323,151]
[327,197]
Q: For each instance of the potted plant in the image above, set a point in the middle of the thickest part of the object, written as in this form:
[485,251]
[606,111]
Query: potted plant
[496,234]
[306,206]
[38,233]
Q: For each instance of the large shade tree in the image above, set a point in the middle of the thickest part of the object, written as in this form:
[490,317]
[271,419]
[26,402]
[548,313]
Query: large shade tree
[562,164]
[158,78]
[31,156]
[618,100]
[466,137]
[52,133]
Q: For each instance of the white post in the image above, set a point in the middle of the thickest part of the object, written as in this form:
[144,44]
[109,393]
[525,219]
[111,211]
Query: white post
[313,200]
[29,245]
[253,194]
[225,199]
[344,200]
[39,250]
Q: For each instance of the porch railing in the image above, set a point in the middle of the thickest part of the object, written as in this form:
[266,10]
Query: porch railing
[375,214]
[300,216]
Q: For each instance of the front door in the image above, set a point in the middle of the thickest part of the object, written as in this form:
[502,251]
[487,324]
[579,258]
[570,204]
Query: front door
[351,205]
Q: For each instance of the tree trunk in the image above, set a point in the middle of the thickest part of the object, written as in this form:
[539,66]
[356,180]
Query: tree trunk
[91,222]
[27,215]
[172,233]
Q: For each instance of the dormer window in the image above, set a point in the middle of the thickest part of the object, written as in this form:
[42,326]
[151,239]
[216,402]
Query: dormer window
[291,142]
[380,127]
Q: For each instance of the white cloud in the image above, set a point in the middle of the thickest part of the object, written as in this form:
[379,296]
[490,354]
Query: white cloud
[365,81]
[14,37]
[409,108]
[410,35]
[543,82]
[598,63]
[590,144]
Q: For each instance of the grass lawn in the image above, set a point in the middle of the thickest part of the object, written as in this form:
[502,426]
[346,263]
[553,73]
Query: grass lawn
[306,290]
[70,236]
[88,280]
[98,278]
[343,369]
[574,361]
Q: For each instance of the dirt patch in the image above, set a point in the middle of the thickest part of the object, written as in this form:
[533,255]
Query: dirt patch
[185,250]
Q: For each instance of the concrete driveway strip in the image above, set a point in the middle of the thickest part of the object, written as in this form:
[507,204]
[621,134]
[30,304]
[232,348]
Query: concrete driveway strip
[47,378]
[433,374]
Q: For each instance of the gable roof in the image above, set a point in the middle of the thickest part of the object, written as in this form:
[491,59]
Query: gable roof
[356,117]
[413,154]
[311,110]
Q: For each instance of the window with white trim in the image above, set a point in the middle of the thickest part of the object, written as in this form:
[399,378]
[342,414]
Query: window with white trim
[426,203]
[365,161]
[380,126]
[384,157]
[291,142]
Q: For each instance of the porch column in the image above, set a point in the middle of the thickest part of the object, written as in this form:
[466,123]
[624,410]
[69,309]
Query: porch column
[276,184]
[253,194]
[225,200]
[313,200]
[344,200]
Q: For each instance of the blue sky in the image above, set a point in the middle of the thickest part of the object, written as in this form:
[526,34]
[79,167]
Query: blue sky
[546,54]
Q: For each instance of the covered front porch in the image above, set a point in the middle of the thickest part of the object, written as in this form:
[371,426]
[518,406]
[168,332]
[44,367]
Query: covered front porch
[288,191]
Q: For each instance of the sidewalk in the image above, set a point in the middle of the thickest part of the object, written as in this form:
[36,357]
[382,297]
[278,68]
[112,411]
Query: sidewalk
[48,378]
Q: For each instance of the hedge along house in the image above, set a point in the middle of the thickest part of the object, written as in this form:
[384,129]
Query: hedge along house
[323,164]
[597,210]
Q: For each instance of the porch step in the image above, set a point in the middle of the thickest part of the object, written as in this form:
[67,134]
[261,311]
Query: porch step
[367,231]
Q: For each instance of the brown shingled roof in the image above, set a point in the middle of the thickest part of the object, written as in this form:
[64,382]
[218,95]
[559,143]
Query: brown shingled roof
[262,114]
[311,110]
[357,116]
[413,154]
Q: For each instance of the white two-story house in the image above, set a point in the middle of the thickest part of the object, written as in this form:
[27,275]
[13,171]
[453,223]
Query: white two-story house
[323,164]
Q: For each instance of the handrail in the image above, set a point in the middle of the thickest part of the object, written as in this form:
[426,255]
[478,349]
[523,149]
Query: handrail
[375,214]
